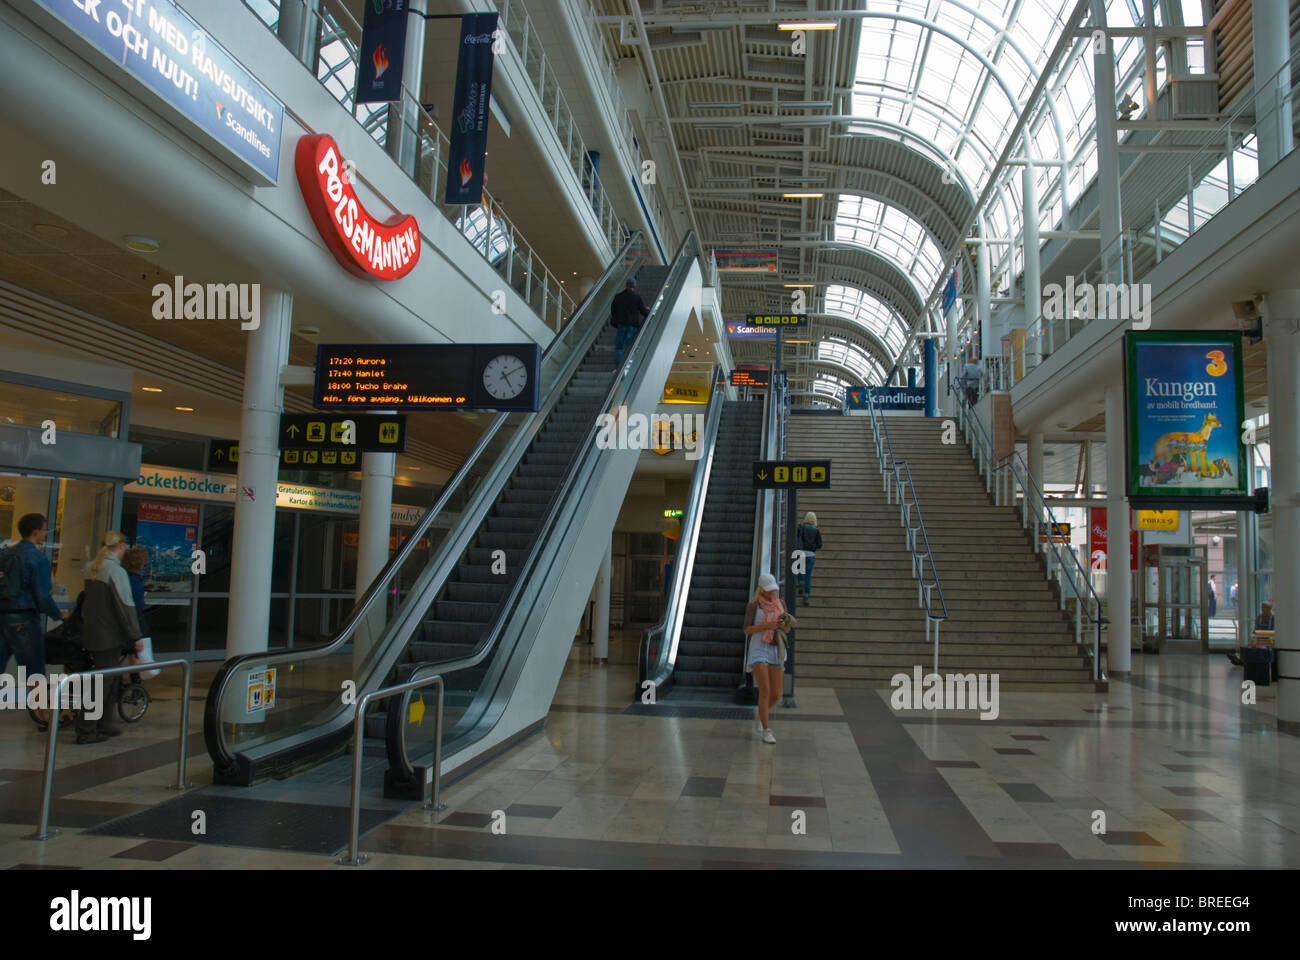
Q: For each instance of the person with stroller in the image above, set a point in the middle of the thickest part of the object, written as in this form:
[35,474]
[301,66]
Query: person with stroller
[110,629]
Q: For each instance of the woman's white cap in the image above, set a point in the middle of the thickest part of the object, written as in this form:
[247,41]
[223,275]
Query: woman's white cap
[767,582]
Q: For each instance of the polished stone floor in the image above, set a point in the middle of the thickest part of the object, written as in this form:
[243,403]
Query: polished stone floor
[1182,773]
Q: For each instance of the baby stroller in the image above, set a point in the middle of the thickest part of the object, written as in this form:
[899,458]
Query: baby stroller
[63,645]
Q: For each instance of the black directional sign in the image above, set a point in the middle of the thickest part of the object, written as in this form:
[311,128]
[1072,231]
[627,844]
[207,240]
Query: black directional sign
[793,473]
[320,431]
[224,458]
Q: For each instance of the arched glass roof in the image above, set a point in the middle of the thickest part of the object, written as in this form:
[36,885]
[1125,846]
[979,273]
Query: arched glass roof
[865,309]
[475,223]
[892,233]
[851,357]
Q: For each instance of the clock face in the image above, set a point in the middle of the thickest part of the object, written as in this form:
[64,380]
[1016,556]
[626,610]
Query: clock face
[505,376]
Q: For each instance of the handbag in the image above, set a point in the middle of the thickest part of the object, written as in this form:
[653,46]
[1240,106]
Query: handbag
[145,656]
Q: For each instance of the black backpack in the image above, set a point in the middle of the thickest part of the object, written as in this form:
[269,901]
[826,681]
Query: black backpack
[11,576]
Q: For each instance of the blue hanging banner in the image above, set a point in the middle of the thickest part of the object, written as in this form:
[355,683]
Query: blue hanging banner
[383,51]
[949,293]
[469,120]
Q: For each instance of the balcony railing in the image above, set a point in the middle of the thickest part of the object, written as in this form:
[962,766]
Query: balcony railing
[332,36]
[1232,161]
[518,27]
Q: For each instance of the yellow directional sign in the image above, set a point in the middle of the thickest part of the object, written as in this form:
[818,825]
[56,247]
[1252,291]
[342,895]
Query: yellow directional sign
[389,433]
[416,711]
[316,431]
[792,473]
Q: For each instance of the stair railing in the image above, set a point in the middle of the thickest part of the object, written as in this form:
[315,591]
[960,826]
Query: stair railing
[897,478]
[1003,477]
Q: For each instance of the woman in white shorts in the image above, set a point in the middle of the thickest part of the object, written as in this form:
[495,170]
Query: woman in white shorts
[764,614]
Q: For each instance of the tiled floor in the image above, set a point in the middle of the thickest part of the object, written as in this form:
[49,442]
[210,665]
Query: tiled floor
[1167,768]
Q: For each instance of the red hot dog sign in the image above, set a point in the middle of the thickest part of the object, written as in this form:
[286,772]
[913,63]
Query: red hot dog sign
[364,246]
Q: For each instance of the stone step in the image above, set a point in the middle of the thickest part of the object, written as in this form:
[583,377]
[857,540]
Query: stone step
[949,661]
[813,672]
[923,651]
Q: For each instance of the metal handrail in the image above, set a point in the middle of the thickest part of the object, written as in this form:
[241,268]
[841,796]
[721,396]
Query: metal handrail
[43,831]
[354,858]
[670,624]
[671,289]
[225,676]
[925,591]
[1014,469]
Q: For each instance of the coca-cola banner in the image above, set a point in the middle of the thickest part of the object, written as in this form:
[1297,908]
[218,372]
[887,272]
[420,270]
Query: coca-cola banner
[469,119]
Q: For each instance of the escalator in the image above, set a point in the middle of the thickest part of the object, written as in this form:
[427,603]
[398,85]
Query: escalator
[503,589]
[697,651]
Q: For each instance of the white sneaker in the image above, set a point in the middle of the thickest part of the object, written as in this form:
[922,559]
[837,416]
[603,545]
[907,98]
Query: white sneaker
[767,737]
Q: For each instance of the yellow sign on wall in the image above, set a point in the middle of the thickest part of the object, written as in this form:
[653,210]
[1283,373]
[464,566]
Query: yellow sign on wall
[685,393]
[1157,519]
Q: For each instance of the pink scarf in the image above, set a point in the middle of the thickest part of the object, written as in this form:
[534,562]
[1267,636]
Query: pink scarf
[772,610]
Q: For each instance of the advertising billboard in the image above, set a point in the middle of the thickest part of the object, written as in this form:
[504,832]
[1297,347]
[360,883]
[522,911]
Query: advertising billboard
[1185,405]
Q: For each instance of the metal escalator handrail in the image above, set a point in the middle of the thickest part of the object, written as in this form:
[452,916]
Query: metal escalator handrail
[761,554]
[212,723]
[621,386]
[670,624]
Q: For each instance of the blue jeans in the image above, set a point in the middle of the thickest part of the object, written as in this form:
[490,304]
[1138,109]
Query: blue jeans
[624,340]
[24,637]
[805,578]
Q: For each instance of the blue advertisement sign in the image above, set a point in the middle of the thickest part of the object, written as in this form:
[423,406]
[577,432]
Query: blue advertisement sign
[1185,412]
[469,120]
[743,331]
[887,398]
[383,51]
[161,47]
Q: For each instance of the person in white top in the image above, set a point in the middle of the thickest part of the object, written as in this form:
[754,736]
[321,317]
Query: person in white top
[763,616]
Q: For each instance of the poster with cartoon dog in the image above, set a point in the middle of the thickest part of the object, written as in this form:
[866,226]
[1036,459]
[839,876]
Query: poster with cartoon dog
[1185,410]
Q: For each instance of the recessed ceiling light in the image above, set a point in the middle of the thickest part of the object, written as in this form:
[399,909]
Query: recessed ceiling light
[152,389]
[809,25]
[140,244]
[48,230]
[798,196]
[308,330]
[186,409]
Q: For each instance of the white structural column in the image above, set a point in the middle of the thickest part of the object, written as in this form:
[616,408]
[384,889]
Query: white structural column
[298,29]
[249,616]
[377,471]
[402,119]
[1035,342]
[600,629]
[1103,68]
[1271,43]
[1282,342]
[1119,587]
[989,346]
[950,358]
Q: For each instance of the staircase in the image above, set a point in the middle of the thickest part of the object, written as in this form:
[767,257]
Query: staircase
[710,652]
[865,625]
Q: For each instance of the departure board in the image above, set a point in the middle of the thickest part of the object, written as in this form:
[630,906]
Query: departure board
[427,376]
[751,377]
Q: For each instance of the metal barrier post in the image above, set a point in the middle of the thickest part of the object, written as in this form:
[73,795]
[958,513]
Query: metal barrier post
[43,831]
[354,857]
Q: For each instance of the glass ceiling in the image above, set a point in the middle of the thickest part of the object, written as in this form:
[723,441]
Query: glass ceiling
[852,357]
[868,311]
[924,78]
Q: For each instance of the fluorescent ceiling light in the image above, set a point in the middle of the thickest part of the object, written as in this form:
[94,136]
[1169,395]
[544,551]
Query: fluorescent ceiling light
[719,126]
[717,105]
[796,196]
[806,104]
[810,235]
[791,286]
[152,389]
[186,409]
[809,25]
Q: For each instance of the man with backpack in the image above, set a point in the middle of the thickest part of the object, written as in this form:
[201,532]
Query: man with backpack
[25,598]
